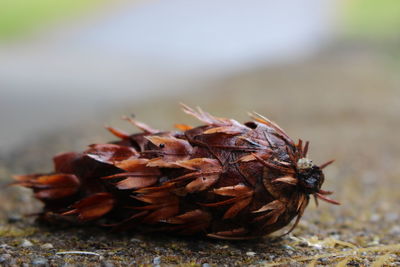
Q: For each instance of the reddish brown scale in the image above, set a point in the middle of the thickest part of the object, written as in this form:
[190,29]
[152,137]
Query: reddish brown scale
[225,180]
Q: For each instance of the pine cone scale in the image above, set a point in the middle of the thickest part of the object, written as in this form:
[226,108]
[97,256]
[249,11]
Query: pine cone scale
[225,179]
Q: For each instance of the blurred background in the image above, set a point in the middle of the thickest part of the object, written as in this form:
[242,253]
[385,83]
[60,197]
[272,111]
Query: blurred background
[326,71]
[62,61]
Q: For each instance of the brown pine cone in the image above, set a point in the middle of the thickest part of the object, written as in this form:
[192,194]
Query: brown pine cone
[225,180]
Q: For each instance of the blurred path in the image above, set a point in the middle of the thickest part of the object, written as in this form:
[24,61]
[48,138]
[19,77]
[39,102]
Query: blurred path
[147,51]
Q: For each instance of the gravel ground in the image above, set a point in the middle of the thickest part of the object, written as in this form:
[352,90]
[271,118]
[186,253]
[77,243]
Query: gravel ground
[346,104]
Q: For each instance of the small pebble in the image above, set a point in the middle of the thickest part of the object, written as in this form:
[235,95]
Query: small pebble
[157,260]
[26,243]
[375,217]
[335,236]
[40,262]
[13,218]
[47,246]
[271,257]
[250,253]
[4,258]
[221,247]
[107,264]
[324,260]
[395,230]
[375,241]
[288,247]
[392,217]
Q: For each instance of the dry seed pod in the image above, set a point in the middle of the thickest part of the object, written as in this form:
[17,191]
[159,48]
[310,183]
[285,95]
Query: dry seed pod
[225,180]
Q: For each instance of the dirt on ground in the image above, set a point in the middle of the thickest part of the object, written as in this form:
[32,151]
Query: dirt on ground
[346,104]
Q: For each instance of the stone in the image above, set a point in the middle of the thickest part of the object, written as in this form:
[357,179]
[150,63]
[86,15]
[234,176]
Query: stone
[40,262]
[26,243]
[47,246]
[157,260]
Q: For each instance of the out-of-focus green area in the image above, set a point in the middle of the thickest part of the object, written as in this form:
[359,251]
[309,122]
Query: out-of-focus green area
[373,19]
[19,17]
[361,18]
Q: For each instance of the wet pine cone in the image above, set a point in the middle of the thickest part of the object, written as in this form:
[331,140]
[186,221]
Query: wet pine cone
[225,180]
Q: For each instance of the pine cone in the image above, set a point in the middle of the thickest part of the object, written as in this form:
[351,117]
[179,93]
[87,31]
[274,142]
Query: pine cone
[225,180]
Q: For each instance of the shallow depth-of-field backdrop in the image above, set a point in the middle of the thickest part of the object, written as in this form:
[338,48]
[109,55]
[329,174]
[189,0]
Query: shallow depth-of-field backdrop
[325,72]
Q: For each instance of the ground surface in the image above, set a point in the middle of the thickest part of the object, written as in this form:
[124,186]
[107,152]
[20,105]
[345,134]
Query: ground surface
[348,106]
